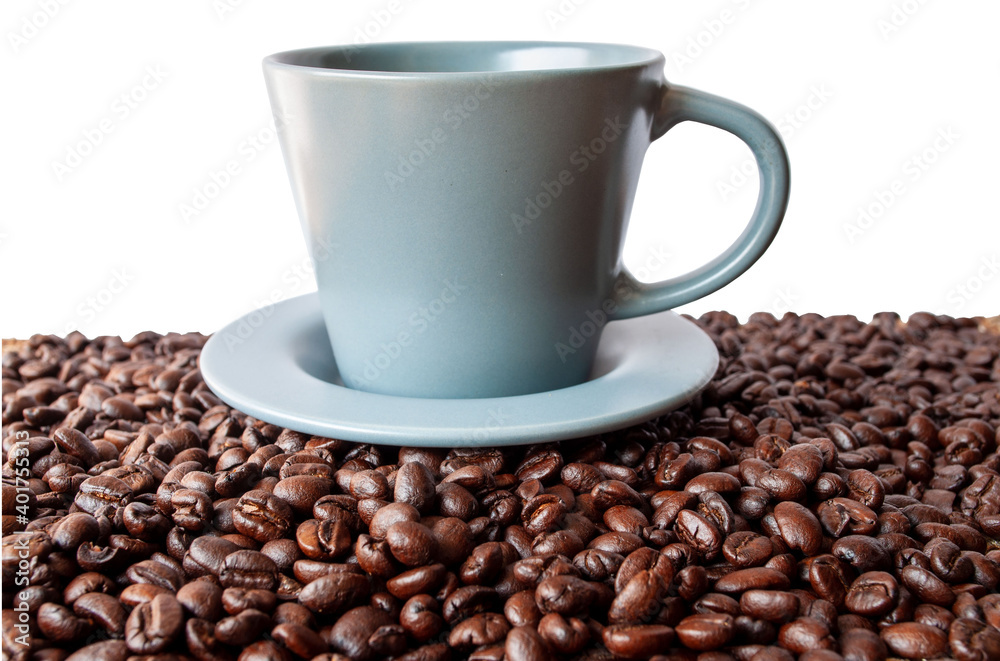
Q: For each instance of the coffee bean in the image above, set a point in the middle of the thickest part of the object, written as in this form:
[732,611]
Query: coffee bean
[87,582]
[411,543]
[723,483]
[192,510]
[294,613]
[873,594]
[455,500]
[525,644]
[747,549]
[478,630]
[352,631]
[102,496]
[454,540]
[249,569]
[390,514]
[415,486]
[804,634]
[75,443]
[929,614]
[705,631]
[640,600]
[473,477]
[467,601]
[243,628]
[799,528]
[105,650]
[203,599]
[692,582]
[153,626]
[926,586]
[156,573]
[637,641]
[299,639]
[828,577]
[542,465]
[374,556]
[971,639]
[753,578]
[614,492]
[141,593]
[120,407]
[262,516]
[104,610]
[264,650]
[562,635]
[563,594]
[238,480]
[207,555]
[804,461]
[915,641]
[284,553]
[640,559]
[421,580]
[420,617]
[301,492]
[771,605]
[323,540]
[597,565]
[237,600]
[334,592]
[864,553]
[862,645]
[200,637]
[949,563]
[580,477]
[60,624]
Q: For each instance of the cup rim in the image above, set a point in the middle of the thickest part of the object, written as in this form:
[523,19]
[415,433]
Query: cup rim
[629,57]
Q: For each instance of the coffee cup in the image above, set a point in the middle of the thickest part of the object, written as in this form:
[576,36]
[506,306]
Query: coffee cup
[466,204]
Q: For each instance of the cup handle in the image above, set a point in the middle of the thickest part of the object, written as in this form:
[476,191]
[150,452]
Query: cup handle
[679,104]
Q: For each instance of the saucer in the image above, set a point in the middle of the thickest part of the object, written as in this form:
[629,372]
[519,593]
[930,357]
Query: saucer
[276,365]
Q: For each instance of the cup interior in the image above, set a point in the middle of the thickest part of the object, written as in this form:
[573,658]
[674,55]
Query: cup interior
[467,57]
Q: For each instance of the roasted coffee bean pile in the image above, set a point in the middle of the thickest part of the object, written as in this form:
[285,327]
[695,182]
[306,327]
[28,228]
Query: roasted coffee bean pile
[833,494]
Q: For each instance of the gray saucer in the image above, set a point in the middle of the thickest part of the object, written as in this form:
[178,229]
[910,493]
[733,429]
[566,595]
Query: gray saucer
[279,367]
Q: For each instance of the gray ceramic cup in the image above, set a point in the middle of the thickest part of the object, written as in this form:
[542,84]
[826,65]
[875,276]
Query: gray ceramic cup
[466,204]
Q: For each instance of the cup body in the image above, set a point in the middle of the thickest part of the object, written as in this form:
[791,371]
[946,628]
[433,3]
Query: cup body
[465,204]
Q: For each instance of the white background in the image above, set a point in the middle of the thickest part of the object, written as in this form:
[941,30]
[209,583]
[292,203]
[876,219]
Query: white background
[860,88]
